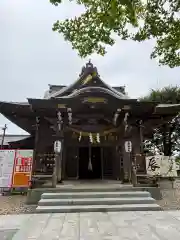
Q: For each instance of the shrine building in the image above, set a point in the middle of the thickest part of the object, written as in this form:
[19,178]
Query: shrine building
[94,122]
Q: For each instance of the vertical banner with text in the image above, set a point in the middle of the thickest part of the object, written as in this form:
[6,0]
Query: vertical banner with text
[22,168]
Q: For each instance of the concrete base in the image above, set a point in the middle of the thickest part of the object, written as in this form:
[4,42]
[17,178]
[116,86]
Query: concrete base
[154,191]
[167,184]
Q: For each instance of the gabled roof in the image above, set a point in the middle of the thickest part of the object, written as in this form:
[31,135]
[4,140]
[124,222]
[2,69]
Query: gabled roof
[94,89]
[55,88]
[89,77]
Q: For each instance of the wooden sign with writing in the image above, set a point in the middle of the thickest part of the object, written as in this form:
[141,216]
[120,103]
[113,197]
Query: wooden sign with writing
[94,100]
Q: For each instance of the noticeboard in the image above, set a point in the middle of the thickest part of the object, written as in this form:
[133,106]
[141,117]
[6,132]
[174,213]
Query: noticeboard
[6,167]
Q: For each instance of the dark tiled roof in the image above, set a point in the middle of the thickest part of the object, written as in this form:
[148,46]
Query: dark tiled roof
[12,138]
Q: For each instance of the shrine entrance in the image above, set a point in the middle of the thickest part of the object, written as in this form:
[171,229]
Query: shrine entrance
[90,162]
[90,166]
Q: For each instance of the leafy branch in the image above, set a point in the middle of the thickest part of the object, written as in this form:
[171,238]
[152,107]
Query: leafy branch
[129,19]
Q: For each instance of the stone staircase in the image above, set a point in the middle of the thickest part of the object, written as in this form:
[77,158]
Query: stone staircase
[96,199]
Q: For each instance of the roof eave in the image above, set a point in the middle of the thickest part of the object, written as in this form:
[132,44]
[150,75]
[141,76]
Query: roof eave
[9,109]
[167,109]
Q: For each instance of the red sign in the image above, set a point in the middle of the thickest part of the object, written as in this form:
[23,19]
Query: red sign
[22,168]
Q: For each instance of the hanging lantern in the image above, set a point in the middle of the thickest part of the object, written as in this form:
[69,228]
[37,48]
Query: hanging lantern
[57,146]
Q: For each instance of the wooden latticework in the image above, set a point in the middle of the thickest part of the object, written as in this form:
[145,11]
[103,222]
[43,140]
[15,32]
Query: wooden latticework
[45,163]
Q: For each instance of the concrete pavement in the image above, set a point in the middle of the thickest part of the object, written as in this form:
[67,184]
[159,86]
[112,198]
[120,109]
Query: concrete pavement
[85,226]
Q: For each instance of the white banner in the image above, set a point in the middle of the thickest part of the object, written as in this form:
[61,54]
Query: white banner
[163,166]
[6,167]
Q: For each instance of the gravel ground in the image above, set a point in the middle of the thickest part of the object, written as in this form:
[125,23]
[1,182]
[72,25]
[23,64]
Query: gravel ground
[15,204]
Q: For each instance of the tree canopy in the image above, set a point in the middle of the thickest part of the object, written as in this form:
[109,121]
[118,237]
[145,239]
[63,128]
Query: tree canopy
[168,94]
[138,20]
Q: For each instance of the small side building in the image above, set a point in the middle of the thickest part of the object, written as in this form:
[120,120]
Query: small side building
[16,141]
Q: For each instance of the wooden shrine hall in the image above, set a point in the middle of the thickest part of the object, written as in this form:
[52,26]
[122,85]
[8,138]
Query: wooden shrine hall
[92,120]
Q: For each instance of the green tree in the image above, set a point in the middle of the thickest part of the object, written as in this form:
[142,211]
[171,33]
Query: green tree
[138,20]
[164,96]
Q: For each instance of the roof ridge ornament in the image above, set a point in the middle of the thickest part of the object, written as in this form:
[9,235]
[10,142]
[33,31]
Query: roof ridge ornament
[89,64]
[89,68]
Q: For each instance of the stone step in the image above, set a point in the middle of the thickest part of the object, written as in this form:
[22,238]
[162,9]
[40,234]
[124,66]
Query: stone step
[98,208]
[70,195]
[94,188]
[96,201]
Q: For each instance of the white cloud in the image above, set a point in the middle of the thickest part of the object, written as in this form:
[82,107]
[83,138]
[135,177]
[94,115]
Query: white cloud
[32,56]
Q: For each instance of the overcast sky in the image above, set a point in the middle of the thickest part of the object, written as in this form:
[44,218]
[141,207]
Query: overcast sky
[33,56]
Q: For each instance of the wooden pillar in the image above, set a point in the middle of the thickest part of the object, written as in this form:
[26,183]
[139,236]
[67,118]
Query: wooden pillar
[167,144]
[60,161]
[36,145]
[141,137]
[119,161]
[137,143]
[63,161]
[102,164]
[57,172]
[77,159]
[126,155]
[60,134]
[54,175]
[136,140]
[137,149]
[126,163]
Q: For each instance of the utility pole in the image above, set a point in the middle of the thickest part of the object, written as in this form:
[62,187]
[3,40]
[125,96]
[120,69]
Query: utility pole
[3,135]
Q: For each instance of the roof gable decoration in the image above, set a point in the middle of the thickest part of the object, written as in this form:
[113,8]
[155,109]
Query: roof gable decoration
[88,73]
[89,69]
[89,78]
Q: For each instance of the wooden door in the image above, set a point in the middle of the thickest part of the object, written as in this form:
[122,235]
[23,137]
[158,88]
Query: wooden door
[71,164]
[107,163]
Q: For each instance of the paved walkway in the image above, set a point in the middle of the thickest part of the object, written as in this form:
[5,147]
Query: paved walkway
[92,226]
